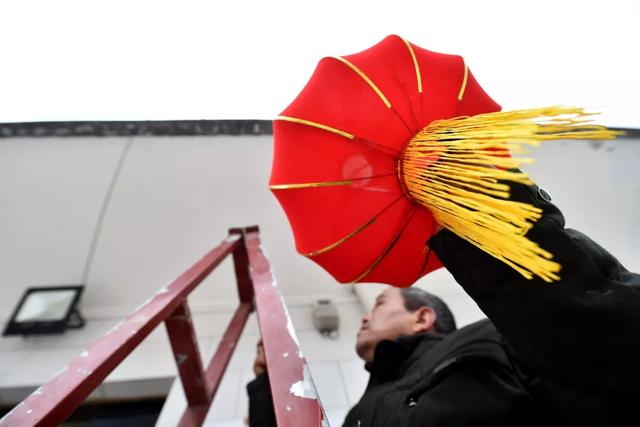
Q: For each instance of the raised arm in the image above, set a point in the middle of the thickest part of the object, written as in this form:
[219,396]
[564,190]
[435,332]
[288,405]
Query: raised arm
[583,330]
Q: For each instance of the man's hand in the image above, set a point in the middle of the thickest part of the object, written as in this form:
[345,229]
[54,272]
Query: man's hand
[260,363]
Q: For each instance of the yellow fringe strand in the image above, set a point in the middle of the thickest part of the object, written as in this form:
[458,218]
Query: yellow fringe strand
[457,168]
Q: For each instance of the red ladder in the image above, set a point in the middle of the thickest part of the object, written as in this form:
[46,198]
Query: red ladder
[295,400]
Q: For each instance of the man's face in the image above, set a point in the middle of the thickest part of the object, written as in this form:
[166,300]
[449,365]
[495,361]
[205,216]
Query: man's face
[388,321]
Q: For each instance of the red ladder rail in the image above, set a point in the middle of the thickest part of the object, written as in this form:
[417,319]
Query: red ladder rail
[295,398]
[295,401]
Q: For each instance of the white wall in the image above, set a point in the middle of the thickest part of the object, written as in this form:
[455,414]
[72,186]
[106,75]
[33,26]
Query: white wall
[174,199]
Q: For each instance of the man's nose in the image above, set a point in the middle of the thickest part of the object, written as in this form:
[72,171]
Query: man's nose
[365,319]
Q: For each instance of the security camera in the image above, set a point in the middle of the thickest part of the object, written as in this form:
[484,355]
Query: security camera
[325,318]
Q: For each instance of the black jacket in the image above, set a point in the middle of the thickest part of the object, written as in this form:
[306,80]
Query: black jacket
[577,340]
[566,353]
[462,379]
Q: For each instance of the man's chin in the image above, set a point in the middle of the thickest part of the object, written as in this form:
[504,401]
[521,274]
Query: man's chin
[363,347]
[361,338]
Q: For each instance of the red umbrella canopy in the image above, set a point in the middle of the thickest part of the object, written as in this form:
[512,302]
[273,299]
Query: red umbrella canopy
[337,158]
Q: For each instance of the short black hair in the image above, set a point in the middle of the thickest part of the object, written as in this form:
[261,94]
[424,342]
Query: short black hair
[414,298]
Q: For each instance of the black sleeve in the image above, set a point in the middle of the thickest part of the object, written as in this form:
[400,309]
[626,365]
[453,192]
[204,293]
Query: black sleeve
[476,396]
[584,329]
[261,413]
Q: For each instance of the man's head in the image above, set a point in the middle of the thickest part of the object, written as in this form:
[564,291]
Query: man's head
[400,312]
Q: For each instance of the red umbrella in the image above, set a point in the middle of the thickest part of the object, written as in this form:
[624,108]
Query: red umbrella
[351,153]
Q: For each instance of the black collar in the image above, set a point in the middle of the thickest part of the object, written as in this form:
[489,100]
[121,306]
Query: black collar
[391,359]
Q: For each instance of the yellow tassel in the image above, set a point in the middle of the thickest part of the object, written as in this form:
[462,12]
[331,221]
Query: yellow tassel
[454,167]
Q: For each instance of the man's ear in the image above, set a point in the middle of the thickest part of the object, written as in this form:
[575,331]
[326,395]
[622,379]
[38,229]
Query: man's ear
[424,320]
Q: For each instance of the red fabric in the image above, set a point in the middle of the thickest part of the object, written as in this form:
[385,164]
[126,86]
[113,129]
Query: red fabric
[336,96]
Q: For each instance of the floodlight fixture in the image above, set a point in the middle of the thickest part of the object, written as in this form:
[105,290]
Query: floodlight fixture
[46,310]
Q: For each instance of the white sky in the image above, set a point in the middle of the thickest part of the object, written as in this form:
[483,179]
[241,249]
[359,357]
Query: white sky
[141,60]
